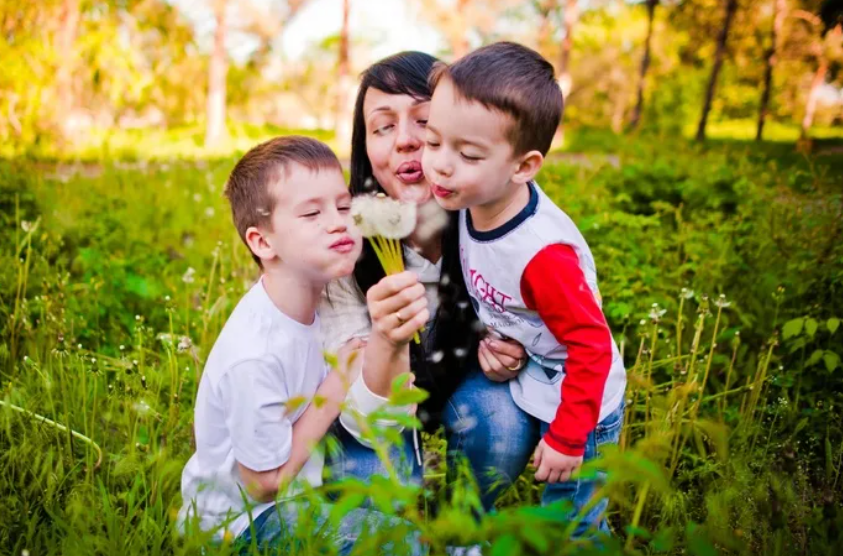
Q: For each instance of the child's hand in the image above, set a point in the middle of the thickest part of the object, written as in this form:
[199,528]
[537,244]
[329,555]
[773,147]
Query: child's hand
[552,466]
[501,359]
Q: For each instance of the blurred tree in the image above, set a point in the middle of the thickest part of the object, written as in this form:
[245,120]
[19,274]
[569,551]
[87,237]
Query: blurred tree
[645,64]
[461,20]
[267,23]
[342,112]
[779,15]
[722,38]
[827,49]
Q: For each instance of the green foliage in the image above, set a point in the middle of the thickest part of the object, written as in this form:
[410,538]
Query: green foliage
[720,269]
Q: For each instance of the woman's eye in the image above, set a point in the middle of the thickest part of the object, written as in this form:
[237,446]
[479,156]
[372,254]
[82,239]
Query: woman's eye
[383,129]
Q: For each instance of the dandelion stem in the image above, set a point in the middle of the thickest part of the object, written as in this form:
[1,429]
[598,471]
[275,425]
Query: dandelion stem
[60,427]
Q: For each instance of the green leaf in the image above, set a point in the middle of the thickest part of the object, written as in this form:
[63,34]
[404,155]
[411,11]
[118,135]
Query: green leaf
[811,326]
[505,545]
[793,328]
[408,396]
[535,538]
[664,540]
[831,360]
[833,324]
[698,543]
[815,358]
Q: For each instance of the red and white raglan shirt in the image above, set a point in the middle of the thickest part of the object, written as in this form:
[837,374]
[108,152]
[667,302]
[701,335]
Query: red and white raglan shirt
[533,280]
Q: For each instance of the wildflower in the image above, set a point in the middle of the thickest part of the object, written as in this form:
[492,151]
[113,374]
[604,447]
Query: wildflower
[209,212]
[197,197]
[26,226]
[142,407]
[189,276]
[721,302]
[687,294]
[656,314]
[184,344]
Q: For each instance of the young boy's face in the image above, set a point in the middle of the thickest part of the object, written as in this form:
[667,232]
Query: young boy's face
[467,158]
[312,230]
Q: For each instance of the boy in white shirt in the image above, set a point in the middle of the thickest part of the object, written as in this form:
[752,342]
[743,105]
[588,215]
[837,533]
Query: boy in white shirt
[255,428]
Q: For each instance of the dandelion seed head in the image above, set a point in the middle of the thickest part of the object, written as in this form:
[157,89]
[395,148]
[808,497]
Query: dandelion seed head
[197,197]
[210,212]
[185,343]
[432,219]
[79,346]
[189,276]
[436,356]
[460,352]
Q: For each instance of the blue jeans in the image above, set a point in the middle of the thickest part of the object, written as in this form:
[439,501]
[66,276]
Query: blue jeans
[482,424]
[300,526]
[580,491]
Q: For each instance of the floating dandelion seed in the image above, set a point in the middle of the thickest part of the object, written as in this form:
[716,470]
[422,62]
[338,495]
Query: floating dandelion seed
[436,356]
[432,220]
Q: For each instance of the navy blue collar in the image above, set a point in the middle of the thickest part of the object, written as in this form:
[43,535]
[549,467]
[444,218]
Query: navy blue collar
[514,222]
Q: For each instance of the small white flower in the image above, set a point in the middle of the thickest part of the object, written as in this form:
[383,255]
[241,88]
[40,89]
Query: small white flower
[189,276]
[26,226]
[184,344]
[656,314]
[687,294]
[142,407]
[209,212]
[721,302]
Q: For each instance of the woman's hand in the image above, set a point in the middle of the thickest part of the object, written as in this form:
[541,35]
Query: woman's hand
[501,360]
[398,307]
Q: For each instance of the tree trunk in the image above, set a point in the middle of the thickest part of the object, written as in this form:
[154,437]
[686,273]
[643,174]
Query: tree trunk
[215,126]
[811,105]
[779,12]
[545,8]
[817,82]
[645,64]
[570,18]
[65,39]
[342,120]
[720,53]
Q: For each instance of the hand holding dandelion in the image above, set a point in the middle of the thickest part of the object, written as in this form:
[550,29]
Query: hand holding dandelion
[385,222]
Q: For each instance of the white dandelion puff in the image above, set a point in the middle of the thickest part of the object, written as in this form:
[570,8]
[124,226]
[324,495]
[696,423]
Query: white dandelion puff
[189,276]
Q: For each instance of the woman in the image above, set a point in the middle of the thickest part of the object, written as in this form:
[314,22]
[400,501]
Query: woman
[465,376]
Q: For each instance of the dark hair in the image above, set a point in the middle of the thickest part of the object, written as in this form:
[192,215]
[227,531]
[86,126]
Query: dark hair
[454,329]
[248,186]
[515,80]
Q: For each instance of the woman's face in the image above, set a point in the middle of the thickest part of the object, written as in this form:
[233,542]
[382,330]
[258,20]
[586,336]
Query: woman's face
[395,127]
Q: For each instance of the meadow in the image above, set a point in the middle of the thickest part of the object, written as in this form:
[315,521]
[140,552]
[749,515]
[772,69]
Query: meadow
[721,267]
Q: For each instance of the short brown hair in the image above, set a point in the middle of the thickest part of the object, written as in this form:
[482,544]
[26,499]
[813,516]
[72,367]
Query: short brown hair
[515,80]
[248,186]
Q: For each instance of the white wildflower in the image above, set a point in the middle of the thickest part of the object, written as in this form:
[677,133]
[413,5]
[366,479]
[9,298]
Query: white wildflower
[721,302]
[383,216]
[189,276]
[184,344]
[687,294]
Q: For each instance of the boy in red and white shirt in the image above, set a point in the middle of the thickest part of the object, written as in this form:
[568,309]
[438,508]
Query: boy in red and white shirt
[529,271]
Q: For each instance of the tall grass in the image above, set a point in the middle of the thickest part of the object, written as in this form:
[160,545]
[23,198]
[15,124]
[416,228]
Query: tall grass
[115,281]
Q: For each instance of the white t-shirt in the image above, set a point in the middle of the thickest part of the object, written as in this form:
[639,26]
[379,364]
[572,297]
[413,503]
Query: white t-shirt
[261,360]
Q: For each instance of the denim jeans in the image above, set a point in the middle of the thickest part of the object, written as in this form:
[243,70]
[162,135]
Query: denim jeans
[580,491]
[482,424]
[302,526]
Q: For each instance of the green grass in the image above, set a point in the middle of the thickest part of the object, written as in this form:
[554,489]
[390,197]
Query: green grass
[732,442]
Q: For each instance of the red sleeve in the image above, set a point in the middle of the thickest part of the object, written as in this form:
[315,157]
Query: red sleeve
[554,285]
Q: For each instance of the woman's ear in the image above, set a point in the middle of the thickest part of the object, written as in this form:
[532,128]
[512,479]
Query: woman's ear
[259,244]
[529,165]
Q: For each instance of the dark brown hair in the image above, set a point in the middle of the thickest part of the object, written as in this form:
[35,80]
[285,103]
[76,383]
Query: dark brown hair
[248,186]
[515,80]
